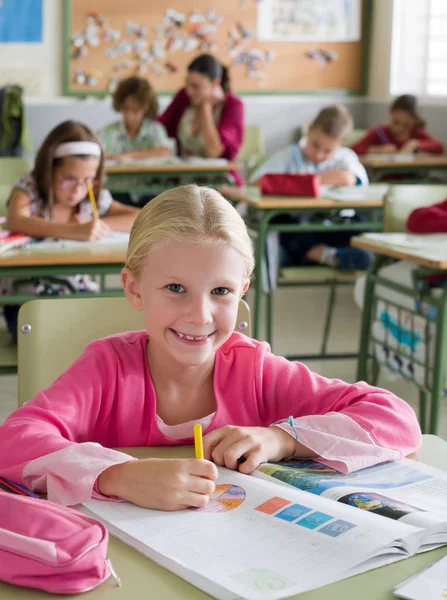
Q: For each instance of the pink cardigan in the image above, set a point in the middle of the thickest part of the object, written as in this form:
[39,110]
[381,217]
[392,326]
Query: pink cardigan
[60,441]
[230,127]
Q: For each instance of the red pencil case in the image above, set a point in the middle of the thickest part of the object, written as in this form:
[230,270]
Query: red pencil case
[290,185]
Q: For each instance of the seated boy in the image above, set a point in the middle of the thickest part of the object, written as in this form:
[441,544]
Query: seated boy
[321,153]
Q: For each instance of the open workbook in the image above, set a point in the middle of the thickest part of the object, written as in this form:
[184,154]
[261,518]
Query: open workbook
[262,538]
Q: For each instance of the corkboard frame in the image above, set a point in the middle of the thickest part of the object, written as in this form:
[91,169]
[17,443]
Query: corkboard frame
[69,87]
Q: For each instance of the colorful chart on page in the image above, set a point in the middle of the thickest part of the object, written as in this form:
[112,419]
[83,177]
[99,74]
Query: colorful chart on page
[225,497]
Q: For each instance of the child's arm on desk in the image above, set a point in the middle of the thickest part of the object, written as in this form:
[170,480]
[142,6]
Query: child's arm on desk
[120,217]
[20,220]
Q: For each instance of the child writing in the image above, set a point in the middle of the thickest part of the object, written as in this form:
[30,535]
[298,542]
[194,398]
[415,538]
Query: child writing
[52,201]
[189,262]
[404,134]
[321,153]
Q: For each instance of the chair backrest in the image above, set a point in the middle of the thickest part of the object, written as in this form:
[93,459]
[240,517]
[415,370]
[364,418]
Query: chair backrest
[53,333]
[401,200]
[253,147]
[10,169]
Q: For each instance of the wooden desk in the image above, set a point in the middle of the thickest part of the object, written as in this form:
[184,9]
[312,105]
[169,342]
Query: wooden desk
[153,178]
[433,261]
[142,579]
[420,165]
[263,209]
[430,264]
[30,261]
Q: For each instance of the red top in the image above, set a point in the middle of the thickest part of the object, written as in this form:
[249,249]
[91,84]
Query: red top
[381,135]
[429,219]
[230,126]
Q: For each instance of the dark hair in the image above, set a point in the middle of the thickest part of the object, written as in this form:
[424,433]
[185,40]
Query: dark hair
[208,65]
[68,131]
[141,90]
[409,104]
[334,121]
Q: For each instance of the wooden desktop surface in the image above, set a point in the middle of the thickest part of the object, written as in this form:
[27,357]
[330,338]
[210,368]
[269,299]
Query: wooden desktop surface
[32,256]
[426,160]
[143,579]
[385,249]
[252,198]
[171,168]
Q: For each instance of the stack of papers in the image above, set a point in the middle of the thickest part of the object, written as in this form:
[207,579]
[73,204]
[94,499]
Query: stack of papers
[116,239]
[355,193]
[391,157]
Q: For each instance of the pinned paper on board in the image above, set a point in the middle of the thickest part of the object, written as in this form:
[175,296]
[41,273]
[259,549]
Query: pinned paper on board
[321,56]
[307,20]
[138,49]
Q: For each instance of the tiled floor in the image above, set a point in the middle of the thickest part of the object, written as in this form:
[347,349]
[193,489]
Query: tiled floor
[298,323]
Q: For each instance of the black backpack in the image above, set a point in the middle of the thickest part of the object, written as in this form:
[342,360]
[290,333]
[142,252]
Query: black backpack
[12,118]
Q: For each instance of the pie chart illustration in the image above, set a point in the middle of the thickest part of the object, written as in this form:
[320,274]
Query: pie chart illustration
[226,497]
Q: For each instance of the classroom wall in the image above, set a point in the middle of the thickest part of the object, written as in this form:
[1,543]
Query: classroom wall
[280,116]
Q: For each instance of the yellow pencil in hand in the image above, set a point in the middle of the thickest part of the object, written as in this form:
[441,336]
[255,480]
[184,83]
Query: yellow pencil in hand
[198,441]
[91,196]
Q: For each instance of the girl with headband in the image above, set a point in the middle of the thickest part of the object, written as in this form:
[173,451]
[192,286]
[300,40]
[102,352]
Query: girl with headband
[52,201]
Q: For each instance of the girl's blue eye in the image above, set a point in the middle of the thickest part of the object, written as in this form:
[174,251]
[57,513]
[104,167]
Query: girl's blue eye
[175,287]
[221,291]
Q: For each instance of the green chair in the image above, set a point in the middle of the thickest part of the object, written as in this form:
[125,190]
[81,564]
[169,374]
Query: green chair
[48,343]
[401,200]
[252,152]
[10,169]
[414,310]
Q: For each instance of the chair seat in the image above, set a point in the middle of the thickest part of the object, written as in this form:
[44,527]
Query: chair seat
[315,273]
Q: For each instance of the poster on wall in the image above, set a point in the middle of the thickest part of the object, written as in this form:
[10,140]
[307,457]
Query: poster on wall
[309,21]
[20,21]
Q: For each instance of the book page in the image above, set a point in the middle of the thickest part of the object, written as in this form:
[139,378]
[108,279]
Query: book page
[391,157]
[405,490]
[259,540]
[113,239]
[355,193]
[429,584]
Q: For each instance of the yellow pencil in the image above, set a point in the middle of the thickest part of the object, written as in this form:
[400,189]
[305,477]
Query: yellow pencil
[91,195]
[198,441]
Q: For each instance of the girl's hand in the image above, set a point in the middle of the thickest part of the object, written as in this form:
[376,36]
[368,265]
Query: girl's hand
[388,149]
[228,445]
[91,231]
[162,484]
[410,147]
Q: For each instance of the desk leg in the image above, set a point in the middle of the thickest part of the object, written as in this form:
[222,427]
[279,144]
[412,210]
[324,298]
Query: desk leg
[365,326]
[259,258]
[439,365]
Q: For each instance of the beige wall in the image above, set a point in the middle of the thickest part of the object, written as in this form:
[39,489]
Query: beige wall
[380,49]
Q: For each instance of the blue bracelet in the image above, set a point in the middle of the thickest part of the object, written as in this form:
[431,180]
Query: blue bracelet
[291,422]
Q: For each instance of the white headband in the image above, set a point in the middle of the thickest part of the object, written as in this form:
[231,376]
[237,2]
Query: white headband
[77,148]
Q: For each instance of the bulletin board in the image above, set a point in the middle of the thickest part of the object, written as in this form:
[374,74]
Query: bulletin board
[106,41]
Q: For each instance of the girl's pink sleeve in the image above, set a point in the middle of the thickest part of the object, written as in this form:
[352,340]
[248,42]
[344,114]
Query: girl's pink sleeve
[428,143]
[51,443]
[231,128]
[350,426]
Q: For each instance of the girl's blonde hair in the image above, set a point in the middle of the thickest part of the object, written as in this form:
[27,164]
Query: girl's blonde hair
[199,215]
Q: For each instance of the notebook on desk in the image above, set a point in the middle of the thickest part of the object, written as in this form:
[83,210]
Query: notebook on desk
[113,239]
[260,538]
[391,157]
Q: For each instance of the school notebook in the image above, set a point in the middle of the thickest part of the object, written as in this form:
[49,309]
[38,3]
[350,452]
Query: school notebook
[259,538]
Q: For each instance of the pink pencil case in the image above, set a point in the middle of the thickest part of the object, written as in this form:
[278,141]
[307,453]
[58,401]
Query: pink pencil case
[50,547]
